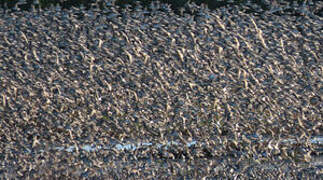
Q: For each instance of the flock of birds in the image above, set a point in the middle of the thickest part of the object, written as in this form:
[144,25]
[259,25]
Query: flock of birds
[238,85]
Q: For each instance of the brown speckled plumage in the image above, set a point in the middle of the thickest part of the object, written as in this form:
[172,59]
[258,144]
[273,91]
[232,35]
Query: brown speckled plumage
[238,84]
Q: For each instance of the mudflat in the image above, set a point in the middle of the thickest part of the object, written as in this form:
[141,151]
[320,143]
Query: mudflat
[151,94]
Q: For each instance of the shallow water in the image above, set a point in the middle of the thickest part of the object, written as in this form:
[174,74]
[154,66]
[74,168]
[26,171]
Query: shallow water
[316,161]
[133,146]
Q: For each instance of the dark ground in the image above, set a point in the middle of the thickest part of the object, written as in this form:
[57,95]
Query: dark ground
[291,7]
